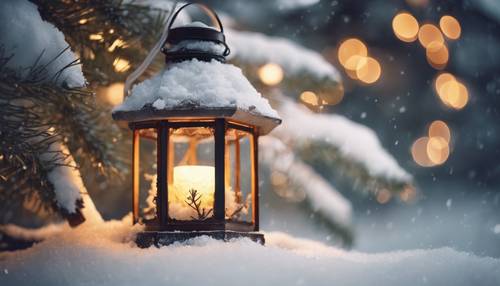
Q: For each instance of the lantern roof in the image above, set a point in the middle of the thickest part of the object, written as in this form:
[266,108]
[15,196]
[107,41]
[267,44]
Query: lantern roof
[198,89]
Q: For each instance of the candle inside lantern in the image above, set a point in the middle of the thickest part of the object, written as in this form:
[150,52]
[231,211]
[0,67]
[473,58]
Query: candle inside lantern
[186,180]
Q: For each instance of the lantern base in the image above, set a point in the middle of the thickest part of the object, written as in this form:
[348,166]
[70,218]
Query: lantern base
[147,239]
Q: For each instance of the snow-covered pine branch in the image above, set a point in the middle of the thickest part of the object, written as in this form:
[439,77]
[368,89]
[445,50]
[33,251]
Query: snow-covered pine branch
[320,195]
[33,41]
[352,145]
[70,193]
[252,48]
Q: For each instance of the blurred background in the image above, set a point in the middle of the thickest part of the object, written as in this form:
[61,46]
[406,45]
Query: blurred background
[459,202]
[423,75]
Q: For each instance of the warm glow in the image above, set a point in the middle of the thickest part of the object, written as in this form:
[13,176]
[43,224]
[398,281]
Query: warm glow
[437,150]
[417,3]
[384,196]
[332,97]
[116,44]
[439,129]
[419,152]
[429,33]
[454,94]
[113,94]
[310,97]
[408,194]
[353,64]
[368,70]
[437,55]
[82,21]
[405,27]
[450,27]
[350,48]
[121,65]
[96,37]
[442,79]
[270,74]
[199,178]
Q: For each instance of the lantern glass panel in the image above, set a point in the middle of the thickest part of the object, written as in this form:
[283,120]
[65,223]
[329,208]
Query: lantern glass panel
[191,173]
[239,176]
[147,173]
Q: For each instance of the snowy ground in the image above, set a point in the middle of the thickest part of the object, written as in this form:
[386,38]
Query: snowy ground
[453,215]
[100,255]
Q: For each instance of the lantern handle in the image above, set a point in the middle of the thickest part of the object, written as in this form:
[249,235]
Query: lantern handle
[151,55]
[209,11]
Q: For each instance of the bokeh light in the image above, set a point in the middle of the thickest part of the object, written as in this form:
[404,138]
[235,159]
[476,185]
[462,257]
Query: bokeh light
[113,94]
[353,64]
[429,33]
[440,129]
[437,54]
[450,27]
[437,150]
[270,74]
[349,48]
[408,195]
[405,27]
[368,70]
[116,44]
[310,98]
[332,97]
[441,79]
[454,94]
[383,196]
[419,152]
[121,65]
[96,37]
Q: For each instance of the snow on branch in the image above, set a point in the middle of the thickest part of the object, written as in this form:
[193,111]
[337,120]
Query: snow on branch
[70,192]
[24,34]
[354,141]
[31,234]
[322,197]
[250,48]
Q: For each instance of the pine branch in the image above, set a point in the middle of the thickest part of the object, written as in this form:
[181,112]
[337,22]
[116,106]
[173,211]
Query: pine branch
[194,201]
[103,31]
[37,113]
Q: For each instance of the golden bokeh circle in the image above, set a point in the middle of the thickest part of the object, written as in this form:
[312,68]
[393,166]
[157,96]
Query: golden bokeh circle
[270,74]
[439,128]
[437,54]
[369,70]
[351,47]
[405,27]
[450,27]
[429,33]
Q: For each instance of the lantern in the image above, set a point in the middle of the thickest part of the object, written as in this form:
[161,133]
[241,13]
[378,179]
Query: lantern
[205,119]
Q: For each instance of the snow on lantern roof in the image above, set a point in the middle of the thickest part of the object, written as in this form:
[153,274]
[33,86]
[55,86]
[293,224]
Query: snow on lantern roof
[198,88]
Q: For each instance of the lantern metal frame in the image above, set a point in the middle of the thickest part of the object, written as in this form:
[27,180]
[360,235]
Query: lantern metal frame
[163,230]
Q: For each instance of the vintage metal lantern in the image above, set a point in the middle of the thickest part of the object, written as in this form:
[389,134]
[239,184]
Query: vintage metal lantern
[205,119]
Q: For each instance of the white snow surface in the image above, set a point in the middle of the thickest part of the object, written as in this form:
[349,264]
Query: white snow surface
[67,182]
[202,84]
[256,48]
[295,4]
[64,176]
[102,254]
[354,140]
[24,34]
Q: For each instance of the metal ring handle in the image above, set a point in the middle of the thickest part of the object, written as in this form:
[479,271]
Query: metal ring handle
[209,11]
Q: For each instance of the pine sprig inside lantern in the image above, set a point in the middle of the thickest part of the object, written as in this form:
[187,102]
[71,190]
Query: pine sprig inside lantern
[194,201]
